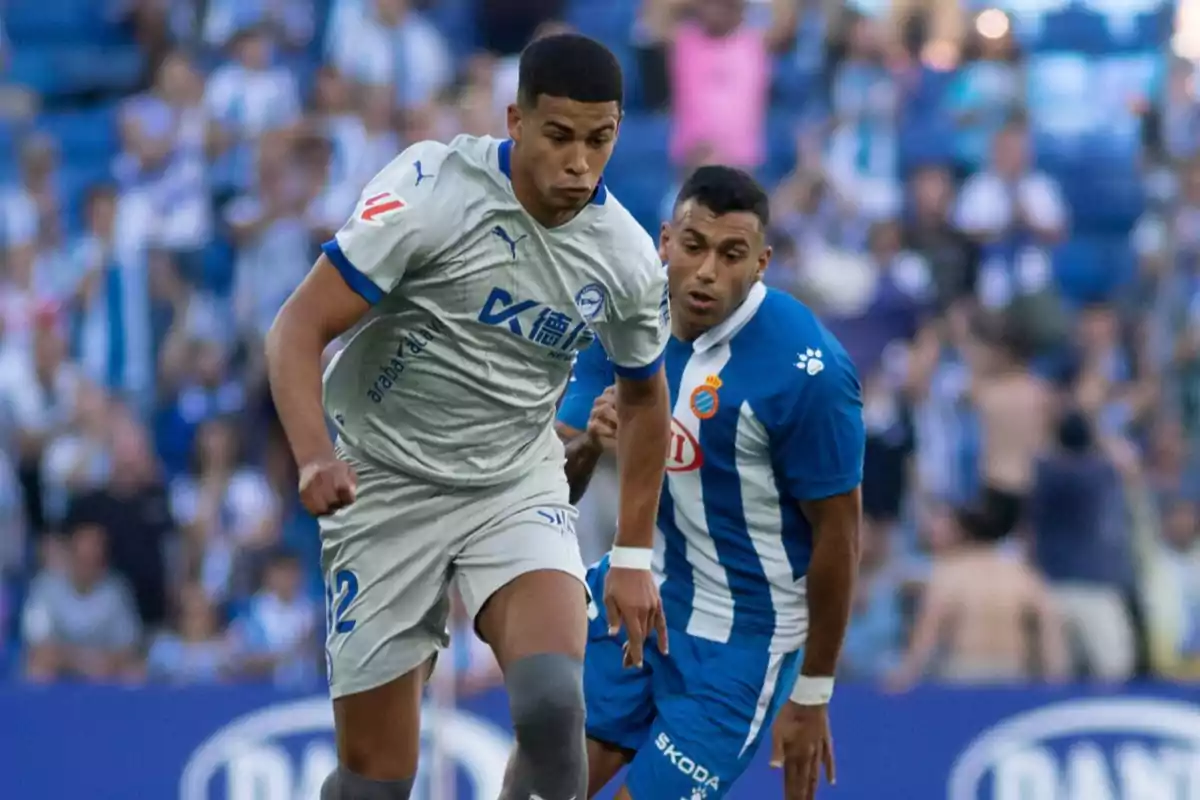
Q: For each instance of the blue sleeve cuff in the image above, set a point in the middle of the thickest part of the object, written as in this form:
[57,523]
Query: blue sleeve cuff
[639,373]
[360,283]
[819,490]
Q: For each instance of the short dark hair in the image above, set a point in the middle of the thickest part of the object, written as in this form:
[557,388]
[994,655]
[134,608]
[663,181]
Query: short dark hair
[725,190]
[572,66]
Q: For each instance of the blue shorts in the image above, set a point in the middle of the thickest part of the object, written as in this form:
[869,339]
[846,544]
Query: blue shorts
[695,717]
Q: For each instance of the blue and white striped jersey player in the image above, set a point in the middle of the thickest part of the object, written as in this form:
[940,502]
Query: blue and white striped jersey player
[758,521]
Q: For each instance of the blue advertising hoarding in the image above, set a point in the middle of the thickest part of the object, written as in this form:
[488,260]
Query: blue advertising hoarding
[1141,743]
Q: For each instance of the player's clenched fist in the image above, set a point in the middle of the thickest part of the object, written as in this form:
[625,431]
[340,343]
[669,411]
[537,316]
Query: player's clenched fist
[326,486]
[602,424]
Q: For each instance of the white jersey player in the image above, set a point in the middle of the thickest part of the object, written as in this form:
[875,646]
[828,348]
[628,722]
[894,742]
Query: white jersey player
[485,266]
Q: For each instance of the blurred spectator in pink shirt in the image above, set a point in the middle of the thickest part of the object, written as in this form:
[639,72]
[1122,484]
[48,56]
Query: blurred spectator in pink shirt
[720,75]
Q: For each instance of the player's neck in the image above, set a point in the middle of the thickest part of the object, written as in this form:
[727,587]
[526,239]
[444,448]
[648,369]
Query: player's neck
[684,332]
[527,195]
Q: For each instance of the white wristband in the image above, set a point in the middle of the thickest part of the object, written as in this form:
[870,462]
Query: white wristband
[631,557]
[810,691]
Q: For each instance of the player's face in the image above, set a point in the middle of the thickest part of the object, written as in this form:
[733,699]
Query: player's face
[713,263]
[563,146]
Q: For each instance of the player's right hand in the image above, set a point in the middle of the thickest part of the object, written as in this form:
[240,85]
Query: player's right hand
[602,424]
[802,745]
[326,486]
[631,600]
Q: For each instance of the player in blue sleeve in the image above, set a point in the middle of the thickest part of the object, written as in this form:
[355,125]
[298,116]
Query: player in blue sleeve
[758,522]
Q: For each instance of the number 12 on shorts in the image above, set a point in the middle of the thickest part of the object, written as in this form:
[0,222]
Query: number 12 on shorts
[340,591]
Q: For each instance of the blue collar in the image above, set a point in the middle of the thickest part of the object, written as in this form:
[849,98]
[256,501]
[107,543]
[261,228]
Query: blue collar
[504,157]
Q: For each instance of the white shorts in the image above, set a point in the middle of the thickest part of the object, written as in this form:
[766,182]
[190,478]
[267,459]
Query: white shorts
[390,557]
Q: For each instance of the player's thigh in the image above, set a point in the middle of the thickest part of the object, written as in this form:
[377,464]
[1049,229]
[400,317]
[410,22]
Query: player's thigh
[378,731]
[520,573]
[604,762]
[715,705]
[386,561]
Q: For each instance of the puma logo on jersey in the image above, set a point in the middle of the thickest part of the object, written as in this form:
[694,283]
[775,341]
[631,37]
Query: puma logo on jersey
[505,237]
[378,208]
[421,173]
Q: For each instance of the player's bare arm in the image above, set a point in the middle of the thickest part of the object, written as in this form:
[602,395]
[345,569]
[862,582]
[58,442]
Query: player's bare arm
[631,597]
[584,448]
[802,740]
[321,309]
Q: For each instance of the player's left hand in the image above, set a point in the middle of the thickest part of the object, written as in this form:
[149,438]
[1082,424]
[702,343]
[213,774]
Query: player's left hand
[631,599]
[802,745]
[602,424]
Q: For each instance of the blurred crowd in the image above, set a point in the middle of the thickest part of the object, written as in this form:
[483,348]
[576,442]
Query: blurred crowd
[996,209]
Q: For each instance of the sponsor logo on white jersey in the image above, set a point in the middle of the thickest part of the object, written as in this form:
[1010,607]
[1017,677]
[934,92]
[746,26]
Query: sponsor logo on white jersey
[684,454]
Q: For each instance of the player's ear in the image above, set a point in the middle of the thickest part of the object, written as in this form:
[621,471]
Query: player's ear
[514,121]
[764,258]
[664,236]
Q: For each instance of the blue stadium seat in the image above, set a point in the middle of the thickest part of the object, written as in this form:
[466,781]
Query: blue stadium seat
[781,144]
[59,70]
[1092,268]
[643,136]
[610,22]
[84,134]
[454,18]
[60,21]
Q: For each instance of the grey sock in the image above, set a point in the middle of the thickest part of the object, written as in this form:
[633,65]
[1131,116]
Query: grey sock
[546,700]
[345,785]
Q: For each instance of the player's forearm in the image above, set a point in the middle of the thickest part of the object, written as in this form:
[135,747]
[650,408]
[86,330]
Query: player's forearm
[832,572]
[645,425]
[293,352]
[583,454]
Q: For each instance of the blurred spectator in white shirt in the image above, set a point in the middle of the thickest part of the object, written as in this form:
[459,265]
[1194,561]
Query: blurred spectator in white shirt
[196,649]
[32,207]
[198,384]
[39,388]
[249,97]
[364,140]
[387,43]
[81,623]
[862,158]
[334,116]
[78,460]
[164,136]
[328,204]
[277,635]
[1015,212]
[111,302]
[228,511]
[273,249]
[294,20]
[1181,111]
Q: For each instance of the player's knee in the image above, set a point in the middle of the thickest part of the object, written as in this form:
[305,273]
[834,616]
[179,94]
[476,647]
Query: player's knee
[546,700]
[343,784]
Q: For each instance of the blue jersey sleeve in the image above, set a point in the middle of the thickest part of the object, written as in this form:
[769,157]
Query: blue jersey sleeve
[593,374]
[820,444]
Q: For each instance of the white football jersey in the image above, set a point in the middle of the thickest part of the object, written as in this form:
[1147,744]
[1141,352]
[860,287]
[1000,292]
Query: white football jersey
[478,313]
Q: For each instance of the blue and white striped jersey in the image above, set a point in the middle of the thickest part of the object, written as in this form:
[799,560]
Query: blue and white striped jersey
[767,412]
